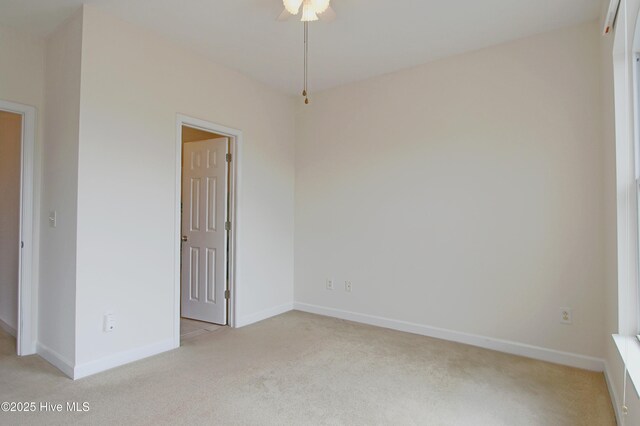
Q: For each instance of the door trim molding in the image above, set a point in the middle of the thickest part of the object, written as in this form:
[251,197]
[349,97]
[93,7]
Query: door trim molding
[235,136]
[26,326]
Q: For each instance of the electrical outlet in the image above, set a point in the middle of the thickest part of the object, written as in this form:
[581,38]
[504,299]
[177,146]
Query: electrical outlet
[109,322]
[347,286]
[329,284]
[566,316]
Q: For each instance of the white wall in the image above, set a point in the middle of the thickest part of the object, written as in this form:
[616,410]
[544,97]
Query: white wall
[133,85]
[22,81]
[57,290]
[10,143]
[22,68]
[463,194]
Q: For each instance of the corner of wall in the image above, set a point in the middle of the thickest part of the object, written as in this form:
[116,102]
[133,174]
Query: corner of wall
[59,179]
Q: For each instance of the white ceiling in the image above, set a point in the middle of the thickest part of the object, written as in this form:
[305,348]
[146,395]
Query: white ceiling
[368,38]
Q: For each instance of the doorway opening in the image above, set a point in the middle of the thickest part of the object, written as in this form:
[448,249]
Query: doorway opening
[206,224]
[17,244]
[10,143]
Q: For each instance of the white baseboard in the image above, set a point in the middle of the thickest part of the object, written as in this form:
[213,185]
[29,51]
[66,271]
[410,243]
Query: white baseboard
[121,358]
[514,348]
[612,393]
[116,360]
[262,315]
[54,358]
[6,327]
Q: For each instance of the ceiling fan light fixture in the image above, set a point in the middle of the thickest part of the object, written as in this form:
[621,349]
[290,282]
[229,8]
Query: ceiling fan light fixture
[292,6]
[308,12]
[320,5]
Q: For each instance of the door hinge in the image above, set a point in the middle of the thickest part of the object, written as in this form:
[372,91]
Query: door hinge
[227,226]
[228,158]
[227,294]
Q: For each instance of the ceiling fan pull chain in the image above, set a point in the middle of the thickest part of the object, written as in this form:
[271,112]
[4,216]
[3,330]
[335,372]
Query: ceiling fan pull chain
[304,80]
[310,11]
[306,62]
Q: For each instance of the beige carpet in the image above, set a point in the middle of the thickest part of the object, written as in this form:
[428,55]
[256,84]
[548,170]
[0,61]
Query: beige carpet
[302,369]
[190,328]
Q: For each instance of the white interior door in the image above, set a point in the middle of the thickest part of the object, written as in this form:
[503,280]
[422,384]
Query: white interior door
[204,212]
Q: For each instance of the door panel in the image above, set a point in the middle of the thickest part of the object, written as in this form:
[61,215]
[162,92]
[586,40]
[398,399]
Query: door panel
[204,192]
[194,265]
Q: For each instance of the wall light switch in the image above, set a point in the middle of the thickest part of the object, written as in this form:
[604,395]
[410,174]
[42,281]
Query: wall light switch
[53,218]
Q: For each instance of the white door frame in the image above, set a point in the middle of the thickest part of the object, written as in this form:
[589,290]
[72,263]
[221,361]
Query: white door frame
[26,333]
[235,136]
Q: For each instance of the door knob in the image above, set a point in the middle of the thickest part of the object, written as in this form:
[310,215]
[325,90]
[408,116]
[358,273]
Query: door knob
[184,238]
